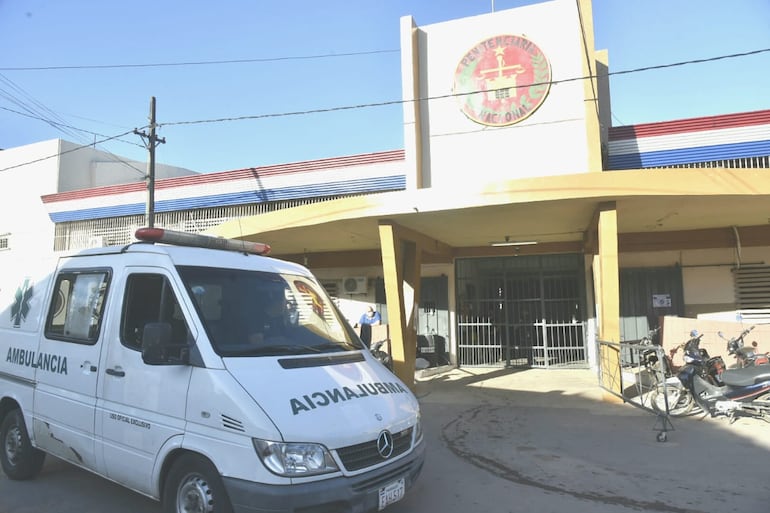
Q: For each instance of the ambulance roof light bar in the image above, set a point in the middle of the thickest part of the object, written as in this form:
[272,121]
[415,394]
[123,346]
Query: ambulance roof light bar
[200,241]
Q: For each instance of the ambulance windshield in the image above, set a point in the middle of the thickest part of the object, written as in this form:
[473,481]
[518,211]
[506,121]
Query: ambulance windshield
[254,313]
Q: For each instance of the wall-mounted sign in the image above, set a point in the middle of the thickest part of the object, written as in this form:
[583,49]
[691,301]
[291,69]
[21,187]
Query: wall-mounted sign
[502,80]
[661,300]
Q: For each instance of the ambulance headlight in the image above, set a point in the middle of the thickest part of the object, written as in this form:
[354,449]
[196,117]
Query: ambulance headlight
[417,430]
[295,459]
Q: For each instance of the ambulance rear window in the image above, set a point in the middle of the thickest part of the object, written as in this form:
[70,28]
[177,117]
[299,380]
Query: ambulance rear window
[77,307]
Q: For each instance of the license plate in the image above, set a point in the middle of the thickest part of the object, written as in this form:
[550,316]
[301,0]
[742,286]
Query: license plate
[392,492]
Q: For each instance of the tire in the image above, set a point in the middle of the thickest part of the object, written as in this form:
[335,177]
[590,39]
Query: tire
[193,485]
[762,402]
[20,461]
[680,402]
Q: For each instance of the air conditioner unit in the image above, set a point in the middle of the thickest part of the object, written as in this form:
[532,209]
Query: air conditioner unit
[354,285]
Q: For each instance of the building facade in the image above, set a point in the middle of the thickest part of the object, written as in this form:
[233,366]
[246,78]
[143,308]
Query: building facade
[515,227]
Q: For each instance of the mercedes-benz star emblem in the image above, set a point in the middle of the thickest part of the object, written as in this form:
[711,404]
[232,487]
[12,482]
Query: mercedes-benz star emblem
[385,444]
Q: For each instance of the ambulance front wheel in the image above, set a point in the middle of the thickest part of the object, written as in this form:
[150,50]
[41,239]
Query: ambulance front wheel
[193,485]
[19,459]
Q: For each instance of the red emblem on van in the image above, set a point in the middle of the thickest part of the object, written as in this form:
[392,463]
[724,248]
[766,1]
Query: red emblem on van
[502,80]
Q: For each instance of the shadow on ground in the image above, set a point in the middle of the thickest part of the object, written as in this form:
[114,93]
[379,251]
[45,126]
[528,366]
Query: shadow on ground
[558,431]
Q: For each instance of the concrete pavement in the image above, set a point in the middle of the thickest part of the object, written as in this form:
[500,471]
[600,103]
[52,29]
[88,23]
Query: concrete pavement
[548,440]
[515,441]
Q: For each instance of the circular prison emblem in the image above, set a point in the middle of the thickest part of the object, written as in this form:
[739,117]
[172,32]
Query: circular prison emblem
[502,80]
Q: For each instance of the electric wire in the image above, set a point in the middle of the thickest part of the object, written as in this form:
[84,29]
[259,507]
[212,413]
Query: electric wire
[594,95]
[78,148]
[200,63]
[592,76]
[455,95]
[19,97]
[97,134]
[37,110]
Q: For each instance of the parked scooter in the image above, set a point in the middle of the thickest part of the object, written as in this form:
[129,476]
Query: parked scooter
[668,396]
[719,391]
[386,359]
[382,356]
[745,356]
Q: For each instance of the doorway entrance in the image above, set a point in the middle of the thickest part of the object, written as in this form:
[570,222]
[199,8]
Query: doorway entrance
[521,311]
[646,295]
[433,321]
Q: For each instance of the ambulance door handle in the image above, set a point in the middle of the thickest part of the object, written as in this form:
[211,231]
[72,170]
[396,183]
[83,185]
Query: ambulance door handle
[116,372]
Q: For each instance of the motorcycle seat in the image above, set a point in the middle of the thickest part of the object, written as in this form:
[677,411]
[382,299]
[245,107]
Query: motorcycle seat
[746,376]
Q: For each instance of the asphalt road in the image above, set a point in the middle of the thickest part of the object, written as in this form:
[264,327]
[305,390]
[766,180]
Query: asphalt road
[505,441]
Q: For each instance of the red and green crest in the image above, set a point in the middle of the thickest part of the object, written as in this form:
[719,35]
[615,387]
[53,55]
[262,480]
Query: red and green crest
[502,80]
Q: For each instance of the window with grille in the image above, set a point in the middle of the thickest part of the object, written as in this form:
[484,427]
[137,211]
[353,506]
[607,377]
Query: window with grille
[5,242]
[72,235]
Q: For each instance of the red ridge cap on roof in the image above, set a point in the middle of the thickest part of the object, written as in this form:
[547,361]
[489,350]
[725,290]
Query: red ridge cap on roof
[237,174]
[678,126]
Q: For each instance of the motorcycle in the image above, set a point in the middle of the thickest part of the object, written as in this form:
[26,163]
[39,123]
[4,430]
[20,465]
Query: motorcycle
[720,391]
[386,359]
[382,356]
[745,356]
[668,396]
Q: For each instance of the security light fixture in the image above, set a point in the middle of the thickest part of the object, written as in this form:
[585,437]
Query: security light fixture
[509,242]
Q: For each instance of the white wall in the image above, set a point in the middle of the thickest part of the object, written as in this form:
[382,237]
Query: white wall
[352,306]
[707,276]
[34,170]
[453,146]
[86,167]
[22,213]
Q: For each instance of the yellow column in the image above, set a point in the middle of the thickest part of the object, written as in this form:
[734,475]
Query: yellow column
[401,267]
[590,86]
[608,296]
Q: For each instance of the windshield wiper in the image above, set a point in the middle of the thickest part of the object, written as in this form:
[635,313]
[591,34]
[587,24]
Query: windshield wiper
[332,347]
[291,349]
[277,349]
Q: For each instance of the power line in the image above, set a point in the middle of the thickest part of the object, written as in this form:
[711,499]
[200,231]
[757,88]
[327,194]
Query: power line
[58,126]
[37,110]
[400,102]
[68,151]
[25,101]
[454,95]
[692,61]
[53,123]
[620,121]
[202,63]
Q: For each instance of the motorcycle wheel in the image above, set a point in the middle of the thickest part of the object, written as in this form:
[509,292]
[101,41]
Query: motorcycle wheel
[763,400]
[680,402]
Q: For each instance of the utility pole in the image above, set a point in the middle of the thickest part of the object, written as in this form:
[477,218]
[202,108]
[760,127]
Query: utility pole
[150,142]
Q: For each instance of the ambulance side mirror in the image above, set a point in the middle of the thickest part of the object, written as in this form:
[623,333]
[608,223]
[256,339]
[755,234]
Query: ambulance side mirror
[158,347]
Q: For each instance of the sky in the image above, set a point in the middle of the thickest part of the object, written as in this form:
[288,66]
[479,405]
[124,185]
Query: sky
[321,79]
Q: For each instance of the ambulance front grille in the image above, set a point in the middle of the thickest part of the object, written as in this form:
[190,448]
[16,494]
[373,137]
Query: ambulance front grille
[231,423]
[356,457]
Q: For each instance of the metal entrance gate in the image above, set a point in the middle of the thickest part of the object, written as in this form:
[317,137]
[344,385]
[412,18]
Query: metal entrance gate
[521,311]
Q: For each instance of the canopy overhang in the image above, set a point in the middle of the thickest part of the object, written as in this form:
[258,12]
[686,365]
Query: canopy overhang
[558,212]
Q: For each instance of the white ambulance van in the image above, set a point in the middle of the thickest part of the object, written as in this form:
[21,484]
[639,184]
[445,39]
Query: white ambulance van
[201,373]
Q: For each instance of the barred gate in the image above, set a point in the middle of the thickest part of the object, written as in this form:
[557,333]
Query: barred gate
[508,317]
[637,373]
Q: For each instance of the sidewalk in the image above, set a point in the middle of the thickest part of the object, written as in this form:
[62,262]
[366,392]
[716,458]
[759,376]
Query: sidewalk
[553,431]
